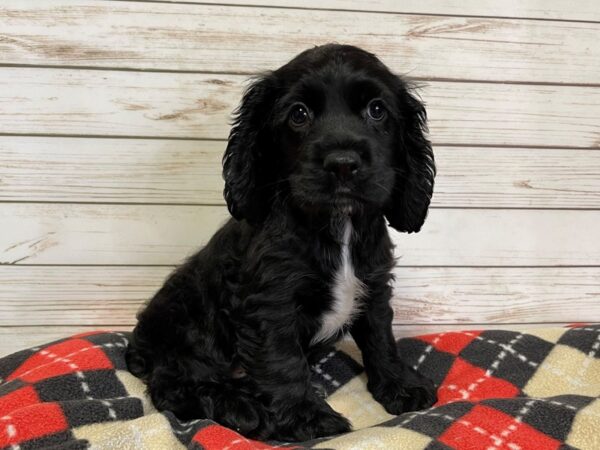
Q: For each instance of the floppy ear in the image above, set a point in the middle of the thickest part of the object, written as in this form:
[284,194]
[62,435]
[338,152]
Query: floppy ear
[414,164]
[243,161]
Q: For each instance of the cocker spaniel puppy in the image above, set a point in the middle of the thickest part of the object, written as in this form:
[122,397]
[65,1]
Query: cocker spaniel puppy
[323,152]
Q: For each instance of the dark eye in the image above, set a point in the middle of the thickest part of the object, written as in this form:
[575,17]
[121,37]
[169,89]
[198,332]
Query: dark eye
[299,115]
[376,109]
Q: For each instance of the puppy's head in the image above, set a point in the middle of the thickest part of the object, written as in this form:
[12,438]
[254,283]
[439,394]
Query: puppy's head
[331,131]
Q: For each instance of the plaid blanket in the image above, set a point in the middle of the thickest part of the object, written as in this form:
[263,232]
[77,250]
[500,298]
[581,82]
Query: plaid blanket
[497,390]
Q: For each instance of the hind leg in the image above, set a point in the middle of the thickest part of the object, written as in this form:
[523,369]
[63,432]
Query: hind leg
[196,384]
[240,409]
[230,403]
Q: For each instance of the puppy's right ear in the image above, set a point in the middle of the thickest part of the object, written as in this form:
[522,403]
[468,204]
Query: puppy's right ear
[244,160]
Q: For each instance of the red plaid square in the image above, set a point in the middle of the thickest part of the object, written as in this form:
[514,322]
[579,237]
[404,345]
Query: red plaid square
[19,398]
[32,422]
[216,437]
[485,428]
[450,342]
[59,359]
[468,382]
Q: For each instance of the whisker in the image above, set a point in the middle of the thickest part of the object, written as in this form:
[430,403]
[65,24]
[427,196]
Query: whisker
[276,182]
[382,187]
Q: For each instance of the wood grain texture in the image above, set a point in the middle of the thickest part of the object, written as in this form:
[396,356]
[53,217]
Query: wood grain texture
[106,296]
[55,169]
[584,10]
[473,237]
[110,170]
[70,295]
[109,103]
[143,234]
[104,234]
[113,103]
[217,38]
[514,108]
[13,339]
[466,295]
[517,177]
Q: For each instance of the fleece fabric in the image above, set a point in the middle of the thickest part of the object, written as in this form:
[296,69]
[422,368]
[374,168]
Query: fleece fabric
[497,390]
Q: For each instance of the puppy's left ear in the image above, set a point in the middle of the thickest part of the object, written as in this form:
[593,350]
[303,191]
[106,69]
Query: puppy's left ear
[414,166]
[245,162]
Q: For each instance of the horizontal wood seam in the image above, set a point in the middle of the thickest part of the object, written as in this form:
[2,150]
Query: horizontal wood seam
[99,203]
[467,325]
[200,139]
[408,266]
[254,73]
[306,8]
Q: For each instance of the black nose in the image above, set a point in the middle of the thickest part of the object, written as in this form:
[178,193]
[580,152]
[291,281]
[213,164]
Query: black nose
[344,164]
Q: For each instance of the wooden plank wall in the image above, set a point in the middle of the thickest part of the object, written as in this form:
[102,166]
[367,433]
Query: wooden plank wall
[114,114]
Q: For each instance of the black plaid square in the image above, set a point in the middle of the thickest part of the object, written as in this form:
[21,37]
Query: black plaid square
[552,416]
[334,370]
[508,355]
[63,440]
[94,411]
[431,423]
[93,384]
[432,363]
[585,339]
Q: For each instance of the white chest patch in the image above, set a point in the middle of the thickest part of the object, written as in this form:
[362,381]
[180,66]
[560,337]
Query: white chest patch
[346,292]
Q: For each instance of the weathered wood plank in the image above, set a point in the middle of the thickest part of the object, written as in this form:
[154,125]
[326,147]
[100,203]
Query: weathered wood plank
[517,177]
[71,295]
[110,170]
[109,296]
[104,234]
[586,10]
[496,295]
[459,237]
[142,234]
[90,102]
[114,103]
[189,172]
[217,38]
[13,339]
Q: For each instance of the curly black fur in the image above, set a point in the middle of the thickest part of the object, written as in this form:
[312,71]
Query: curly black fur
[230,334]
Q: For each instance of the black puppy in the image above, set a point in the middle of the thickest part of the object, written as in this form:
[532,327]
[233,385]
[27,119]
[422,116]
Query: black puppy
[323,150]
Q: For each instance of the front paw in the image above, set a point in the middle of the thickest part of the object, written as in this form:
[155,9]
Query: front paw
[309,419]
[399,395]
